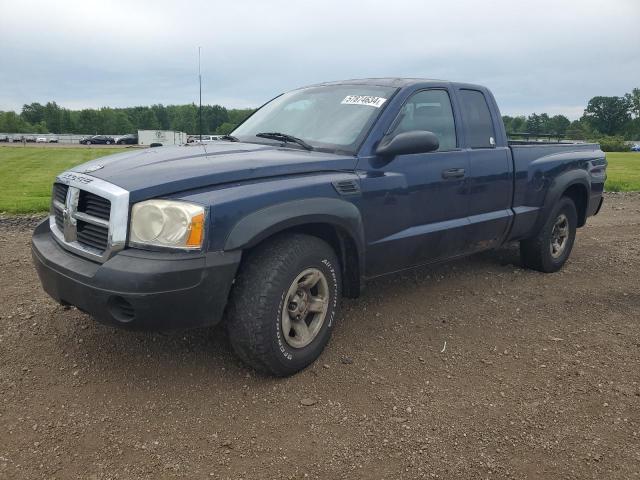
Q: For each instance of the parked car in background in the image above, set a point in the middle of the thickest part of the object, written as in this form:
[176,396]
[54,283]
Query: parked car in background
[4,138]
[635,148]
[53,140]
[41,140]
[97,140]
[17,138]
[129,139]
[30,139]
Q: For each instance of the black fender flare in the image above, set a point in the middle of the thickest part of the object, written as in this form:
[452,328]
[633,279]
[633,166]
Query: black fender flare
[559,185]
[261,224]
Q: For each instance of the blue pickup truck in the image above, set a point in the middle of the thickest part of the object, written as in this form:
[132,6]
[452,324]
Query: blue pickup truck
[320,190]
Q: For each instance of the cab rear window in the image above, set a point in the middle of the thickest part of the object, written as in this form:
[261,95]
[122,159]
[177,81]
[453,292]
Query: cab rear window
[477,119]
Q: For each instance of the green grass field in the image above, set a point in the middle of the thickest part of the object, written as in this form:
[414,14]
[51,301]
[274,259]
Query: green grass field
[26,173]
[623,172]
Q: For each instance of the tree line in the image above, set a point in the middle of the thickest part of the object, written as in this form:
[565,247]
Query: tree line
[609,120]
[606,119]
[52,118]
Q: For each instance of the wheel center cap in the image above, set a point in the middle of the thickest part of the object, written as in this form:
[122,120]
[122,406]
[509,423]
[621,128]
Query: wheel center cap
[299,304]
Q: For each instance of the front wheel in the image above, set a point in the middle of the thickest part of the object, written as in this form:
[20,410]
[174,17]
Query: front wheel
[284,304]
[550,248]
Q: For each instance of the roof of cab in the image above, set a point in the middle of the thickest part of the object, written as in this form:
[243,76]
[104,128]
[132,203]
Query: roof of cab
[396,82]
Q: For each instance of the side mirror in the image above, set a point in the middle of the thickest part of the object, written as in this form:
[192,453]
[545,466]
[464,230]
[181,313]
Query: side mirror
[415,141]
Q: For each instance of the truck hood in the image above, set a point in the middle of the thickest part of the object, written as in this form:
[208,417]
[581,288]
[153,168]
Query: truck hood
[153,172]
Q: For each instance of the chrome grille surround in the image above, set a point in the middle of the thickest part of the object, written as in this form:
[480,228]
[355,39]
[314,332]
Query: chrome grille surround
[117,224]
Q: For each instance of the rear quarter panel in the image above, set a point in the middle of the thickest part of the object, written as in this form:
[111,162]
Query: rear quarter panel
[544,172]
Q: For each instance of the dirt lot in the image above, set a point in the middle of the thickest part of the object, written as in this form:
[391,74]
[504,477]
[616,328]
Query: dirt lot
[539,379]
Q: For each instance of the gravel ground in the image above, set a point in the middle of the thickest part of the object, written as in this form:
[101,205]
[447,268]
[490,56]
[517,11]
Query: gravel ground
[472,369]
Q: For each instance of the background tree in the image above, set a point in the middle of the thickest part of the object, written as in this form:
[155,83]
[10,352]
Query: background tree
[185,119]
[608,115]
[14,123]
[226,128]
[514,124]
[518,124]
[238,116]
[535,123]
[558,124]
[633,99]
[52,117]
[88,122]
[162,114]
[32,113]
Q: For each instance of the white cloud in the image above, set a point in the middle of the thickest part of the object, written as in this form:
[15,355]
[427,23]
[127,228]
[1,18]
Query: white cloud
[533,56]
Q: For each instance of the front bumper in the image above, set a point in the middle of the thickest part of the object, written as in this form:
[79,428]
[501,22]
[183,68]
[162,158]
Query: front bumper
[138,289]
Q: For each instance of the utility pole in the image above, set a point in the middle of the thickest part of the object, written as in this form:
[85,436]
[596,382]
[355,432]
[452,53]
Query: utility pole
[200,109]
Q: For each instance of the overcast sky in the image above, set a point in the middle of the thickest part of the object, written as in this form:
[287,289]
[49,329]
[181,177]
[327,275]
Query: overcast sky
[550,56]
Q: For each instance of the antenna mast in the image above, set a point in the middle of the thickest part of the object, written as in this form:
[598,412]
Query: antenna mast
[200,109]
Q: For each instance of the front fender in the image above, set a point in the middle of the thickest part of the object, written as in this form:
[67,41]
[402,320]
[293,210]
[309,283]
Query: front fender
[257,226]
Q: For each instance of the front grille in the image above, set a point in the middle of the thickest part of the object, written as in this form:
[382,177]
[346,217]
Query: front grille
[60,192]
[94,236]
[59,219]
[94,205]
[89,216]
[91,231]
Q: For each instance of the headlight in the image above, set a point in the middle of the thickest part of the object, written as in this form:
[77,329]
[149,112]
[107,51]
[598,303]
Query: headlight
[167,223]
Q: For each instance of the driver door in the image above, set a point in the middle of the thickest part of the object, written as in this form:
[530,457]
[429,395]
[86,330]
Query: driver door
[426,214]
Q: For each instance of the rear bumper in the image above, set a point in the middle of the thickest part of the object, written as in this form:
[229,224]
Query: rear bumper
[138,289]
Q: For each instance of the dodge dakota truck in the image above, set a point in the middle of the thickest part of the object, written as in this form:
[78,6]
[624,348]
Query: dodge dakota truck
[320,190]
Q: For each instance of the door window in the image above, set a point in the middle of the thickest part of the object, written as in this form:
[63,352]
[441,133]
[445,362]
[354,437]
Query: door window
[429,110]
[477,117]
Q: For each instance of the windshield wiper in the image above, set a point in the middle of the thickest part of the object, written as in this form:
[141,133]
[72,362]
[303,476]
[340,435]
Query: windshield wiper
[231,138]
[285,138]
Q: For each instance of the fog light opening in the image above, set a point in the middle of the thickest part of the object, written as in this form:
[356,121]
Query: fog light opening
[121,309]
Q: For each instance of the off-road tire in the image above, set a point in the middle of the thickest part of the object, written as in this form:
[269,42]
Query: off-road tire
[257,301]
[536,253]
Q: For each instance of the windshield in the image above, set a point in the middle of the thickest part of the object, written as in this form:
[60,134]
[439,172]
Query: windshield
[333,117]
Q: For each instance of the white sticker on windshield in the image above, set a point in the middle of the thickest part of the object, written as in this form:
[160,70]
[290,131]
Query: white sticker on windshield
[364,100]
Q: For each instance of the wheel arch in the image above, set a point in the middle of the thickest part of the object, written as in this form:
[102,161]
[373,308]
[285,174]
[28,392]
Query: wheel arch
[337,222]
[579,194]
[574,184]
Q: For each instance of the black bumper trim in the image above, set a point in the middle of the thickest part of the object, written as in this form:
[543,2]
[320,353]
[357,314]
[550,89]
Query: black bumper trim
[163,290]
[599,205]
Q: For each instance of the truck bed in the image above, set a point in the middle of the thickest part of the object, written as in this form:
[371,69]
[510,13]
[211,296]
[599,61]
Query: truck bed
[538,166]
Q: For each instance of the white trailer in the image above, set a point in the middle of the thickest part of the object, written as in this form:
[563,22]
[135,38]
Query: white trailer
[163,137]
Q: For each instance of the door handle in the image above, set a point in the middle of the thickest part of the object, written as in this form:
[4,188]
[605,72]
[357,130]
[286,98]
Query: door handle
[453,173]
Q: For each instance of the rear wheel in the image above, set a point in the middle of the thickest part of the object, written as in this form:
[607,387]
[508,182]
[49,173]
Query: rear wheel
[284,304]
[550,248]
